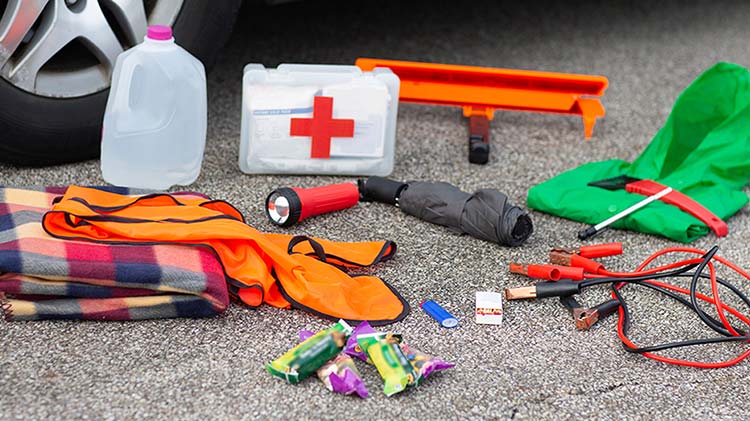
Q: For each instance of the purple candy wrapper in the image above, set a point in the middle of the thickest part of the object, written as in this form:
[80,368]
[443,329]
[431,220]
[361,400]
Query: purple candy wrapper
[340,375]
[304,334]
[424,364]
[350,382]
[351,347]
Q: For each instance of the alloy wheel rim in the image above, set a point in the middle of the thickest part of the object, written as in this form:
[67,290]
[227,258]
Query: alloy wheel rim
[68,48]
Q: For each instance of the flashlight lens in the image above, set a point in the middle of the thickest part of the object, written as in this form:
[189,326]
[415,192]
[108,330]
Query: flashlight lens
[278,208]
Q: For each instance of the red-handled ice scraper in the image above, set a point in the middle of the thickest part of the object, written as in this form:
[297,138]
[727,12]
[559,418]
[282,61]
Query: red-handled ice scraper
[674,197]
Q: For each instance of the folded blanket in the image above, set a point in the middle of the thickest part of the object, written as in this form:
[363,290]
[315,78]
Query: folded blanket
[42,277]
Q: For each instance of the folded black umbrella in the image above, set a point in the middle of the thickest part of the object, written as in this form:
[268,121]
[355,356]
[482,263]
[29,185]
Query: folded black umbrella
[486,214]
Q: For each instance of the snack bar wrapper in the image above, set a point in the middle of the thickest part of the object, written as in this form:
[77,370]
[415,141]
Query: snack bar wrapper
[352,347]
[424,364]
[340,375]
[384,350]
[305,358]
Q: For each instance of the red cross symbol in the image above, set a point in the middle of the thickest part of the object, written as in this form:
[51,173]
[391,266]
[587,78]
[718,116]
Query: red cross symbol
[322,127]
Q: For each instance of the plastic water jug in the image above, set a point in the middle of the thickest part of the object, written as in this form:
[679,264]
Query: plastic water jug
[154,129]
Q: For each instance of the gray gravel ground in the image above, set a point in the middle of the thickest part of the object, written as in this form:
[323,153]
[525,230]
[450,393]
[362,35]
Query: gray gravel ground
[536,365]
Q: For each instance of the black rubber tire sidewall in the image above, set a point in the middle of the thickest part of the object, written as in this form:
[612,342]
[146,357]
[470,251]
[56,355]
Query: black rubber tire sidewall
[37,131]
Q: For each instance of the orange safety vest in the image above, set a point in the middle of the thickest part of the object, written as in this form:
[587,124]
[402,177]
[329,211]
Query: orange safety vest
[278,269]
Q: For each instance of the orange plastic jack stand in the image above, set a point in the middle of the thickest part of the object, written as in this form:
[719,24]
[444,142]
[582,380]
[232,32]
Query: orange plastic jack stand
[482,90]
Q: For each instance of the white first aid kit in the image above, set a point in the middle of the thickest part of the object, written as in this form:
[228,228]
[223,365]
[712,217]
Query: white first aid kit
[318,119]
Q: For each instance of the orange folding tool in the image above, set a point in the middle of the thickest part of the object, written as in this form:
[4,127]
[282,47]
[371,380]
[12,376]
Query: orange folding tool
[482,90]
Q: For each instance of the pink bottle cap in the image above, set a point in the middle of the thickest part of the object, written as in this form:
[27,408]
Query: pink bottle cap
[159,32]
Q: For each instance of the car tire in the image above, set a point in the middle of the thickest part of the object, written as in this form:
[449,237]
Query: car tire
[38,131]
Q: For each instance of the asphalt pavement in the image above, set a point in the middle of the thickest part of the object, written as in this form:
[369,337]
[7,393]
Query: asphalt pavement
[535,366]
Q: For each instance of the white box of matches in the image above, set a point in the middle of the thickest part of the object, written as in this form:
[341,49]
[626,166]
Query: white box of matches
[489,308]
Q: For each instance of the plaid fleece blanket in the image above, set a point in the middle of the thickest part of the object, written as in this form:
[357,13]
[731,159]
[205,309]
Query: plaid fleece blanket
[42,277]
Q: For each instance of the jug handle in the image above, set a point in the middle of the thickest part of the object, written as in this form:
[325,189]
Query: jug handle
[123,95]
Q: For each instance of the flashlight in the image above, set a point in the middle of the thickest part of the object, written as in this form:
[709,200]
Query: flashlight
[288,205]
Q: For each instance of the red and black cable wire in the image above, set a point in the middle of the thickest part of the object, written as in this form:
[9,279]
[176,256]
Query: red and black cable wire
[696,269]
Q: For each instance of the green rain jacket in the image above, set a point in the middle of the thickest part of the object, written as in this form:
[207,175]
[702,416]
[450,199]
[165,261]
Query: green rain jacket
[703,151]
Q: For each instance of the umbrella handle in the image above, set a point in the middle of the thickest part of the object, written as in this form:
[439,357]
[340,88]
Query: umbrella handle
[380,189]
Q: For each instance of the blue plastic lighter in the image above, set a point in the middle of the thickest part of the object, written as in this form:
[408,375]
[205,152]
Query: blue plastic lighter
[438,313]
